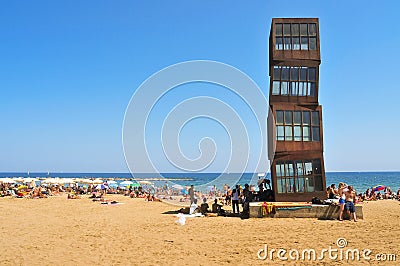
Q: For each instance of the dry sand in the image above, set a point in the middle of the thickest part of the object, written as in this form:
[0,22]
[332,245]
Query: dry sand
[57,231]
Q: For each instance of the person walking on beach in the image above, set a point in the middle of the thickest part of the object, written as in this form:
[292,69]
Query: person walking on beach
[191,194]
[235,199]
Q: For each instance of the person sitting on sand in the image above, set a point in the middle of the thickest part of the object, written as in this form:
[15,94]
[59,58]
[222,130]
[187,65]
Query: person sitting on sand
[350,200]
[332,191]
[73,196]
[193,207]
[217,208]
[204,206]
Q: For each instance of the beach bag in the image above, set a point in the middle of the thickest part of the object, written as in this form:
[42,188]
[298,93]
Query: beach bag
[317,201]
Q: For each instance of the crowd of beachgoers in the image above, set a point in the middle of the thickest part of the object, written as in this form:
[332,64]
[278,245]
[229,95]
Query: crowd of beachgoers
[72,190]
[226,195]
[379,192]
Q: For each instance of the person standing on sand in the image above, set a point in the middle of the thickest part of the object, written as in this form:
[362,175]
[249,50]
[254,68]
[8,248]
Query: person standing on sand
[191,194]
[247,198]
[350,200]
[235,199]
[342,199]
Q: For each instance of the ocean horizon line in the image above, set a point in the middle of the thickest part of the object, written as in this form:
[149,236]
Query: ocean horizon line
[191,173]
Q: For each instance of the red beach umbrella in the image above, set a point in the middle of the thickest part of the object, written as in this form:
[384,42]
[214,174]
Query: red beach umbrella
[378,188]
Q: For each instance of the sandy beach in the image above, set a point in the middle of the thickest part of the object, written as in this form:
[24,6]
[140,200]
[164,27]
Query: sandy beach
[57,231]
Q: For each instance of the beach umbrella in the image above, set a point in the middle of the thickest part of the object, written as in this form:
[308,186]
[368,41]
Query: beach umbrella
[18,179]
[145,182]
[7,180]
[68,180]
[47,181]
[57,180]
[29,180]
[126,183]
[101,186]
[378,188]
[98,181]
[135,185]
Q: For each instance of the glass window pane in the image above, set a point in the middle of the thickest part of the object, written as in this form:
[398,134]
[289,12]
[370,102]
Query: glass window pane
[312,27]
[278,29]
[318,183]
[297,117]
[280,134]
[296,43]
[306,133]
[302,88]
[279,117]
[307,88]
[299,168]
[288,118]
[311,73]
[303,29]
[286,29]
[300,184]
[277,73]
[315,118]
[308,167]
[295,30]
[285,73]
[317,166]
[306,117]
[278,170]
[315,133]
[310,184]
[303,74]
[288,133]
[294,73]
[287,45]
[294,88]
[284,88]
[297,133]
[275,87]
[279,43]
[304,43]
[289,168]
[312,89]
[290,185]
[281,185]
[313,43]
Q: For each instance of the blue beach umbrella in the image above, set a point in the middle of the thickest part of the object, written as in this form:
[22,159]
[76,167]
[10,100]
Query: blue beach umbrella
[101,186]
[378,188]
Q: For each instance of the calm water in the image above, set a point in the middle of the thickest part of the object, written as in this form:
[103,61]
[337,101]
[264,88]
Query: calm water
[360,180]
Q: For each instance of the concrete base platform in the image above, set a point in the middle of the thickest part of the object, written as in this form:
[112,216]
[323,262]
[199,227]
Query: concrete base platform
[298,210]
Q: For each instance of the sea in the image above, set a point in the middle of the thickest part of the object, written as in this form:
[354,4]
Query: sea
[361,181]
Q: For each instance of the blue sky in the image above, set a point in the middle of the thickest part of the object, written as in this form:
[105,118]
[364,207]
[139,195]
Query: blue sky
[69,68]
